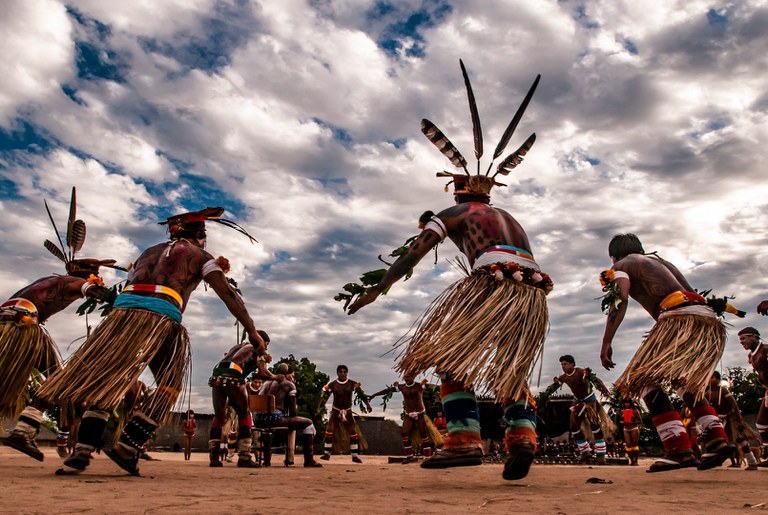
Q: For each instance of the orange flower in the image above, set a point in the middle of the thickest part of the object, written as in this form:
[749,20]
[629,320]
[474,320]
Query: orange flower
[223,263]
[93,279]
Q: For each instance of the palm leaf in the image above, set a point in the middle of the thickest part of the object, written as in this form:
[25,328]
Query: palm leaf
[477,131]
[516,157]
[445,146]
[515,120]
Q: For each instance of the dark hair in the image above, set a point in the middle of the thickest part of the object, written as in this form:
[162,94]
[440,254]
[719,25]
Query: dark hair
[623,245]
[462,198]
[750,330]
[341,367]
[425,217]
[264,335]
[568,358]
[717,375]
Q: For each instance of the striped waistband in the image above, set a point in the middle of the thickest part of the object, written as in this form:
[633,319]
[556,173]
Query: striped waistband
[20,305]
[505,254]
[227,367]
[155,288]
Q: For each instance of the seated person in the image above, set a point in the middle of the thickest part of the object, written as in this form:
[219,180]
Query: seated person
[285,413]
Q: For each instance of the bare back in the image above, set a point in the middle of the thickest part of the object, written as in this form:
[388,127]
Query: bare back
[475,226]
[280,389]
[181,269]
[759,361]
[52,294]
[651,280]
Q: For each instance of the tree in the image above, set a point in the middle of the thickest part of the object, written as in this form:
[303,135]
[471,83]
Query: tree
[746,389]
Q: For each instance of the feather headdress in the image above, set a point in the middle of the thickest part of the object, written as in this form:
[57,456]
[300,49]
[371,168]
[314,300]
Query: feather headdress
[75,239]
[196,220]
[480,184]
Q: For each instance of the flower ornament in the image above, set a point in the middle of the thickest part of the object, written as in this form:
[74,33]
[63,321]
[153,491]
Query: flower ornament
[223,263]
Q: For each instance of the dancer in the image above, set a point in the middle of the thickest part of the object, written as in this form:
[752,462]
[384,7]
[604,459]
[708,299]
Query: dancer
[586,407]
[681,350]
[144,330]
[341,418]
[729,412]
[749,338]
[486,329]
[415,418]
[188,426]
[228,389]
[26,348]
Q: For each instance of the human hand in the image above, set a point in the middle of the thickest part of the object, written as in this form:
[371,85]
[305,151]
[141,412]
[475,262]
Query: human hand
[762,308]
[606,358]
[363,300]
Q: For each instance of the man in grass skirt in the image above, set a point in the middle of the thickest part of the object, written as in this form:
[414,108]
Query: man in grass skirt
[485,330]
[144,330]
[681,351]
[26,347]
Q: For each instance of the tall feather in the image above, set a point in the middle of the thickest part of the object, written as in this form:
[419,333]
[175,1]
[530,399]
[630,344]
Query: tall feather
[516,157]
[70,222]
[513,124]
[233,225]
[56,251]
[477,131]
[76,236]
[54,228]
[445,146]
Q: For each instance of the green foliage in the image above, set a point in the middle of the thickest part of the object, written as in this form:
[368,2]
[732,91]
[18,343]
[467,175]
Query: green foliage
[746,389]
[309,384]
[543,398]
[107,300]
[370,279]
[431,398]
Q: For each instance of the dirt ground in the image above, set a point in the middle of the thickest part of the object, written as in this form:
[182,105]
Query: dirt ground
[172,485]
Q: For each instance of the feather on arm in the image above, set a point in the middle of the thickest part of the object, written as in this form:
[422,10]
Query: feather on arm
[71,222]
[445,146]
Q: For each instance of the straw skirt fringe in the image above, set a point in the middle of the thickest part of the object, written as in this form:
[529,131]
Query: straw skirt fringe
[105,367]
[23,350]
[681,351]
[484,333]
[341,438]
[418,439]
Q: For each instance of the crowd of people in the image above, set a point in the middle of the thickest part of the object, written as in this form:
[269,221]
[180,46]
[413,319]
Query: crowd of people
[484,332]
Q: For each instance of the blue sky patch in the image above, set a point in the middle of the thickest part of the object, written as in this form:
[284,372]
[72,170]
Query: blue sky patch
[629,46]
[224,30]
[407,25]
[94,62]
[339,134]
[717,18]
[27,137]
[203,192]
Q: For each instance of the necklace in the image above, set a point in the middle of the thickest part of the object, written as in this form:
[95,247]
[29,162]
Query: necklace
[572,372]
[342,382]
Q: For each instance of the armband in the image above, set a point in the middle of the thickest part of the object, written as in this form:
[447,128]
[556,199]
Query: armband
[84,288]
[211,266]
[437,226]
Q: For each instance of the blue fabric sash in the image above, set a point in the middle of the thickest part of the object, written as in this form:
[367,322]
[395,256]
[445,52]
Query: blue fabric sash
[160,306]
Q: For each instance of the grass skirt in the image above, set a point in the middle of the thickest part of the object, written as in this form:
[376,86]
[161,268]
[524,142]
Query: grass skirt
[341,438]
[681,351]
[485,333]
[417,438]
[110,362]
[24,349]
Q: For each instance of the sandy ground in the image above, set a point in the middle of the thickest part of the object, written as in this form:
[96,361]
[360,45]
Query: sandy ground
[172,485]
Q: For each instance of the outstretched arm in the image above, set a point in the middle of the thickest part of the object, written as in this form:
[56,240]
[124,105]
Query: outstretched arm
[615,317]
[383,392]
[218,281]
[416,251]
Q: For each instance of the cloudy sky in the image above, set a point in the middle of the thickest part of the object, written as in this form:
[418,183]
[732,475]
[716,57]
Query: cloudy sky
[301,117]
